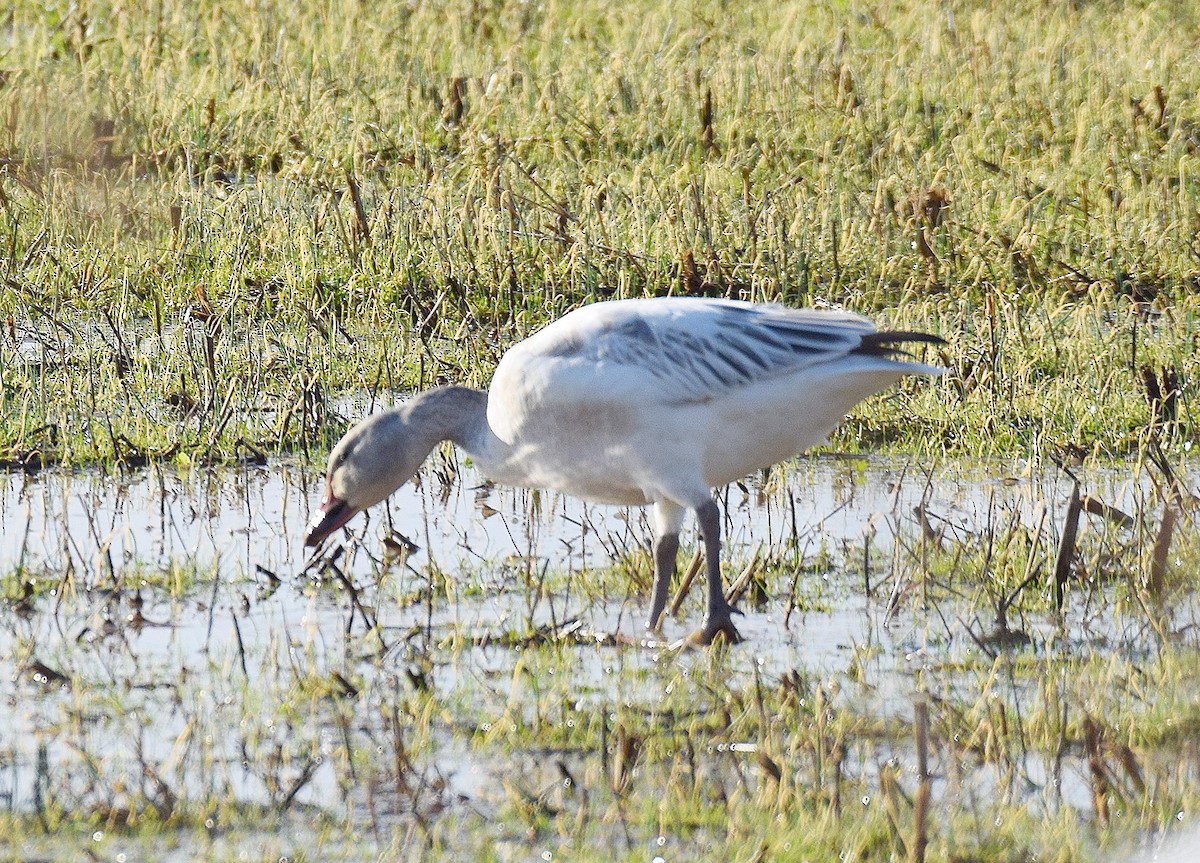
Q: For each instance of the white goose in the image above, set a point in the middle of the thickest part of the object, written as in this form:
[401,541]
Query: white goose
[645,401]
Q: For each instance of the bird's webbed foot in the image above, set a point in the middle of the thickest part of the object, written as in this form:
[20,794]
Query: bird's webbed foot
[717,627]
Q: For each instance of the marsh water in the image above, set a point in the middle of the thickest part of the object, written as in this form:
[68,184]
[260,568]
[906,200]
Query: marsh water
[150,609]
[236,528]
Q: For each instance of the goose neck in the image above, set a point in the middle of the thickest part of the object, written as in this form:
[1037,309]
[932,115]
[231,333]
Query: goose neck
[452,413]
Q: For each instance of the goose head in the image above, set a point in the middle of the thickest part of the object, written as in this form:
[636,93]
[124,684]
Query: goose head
[374,459]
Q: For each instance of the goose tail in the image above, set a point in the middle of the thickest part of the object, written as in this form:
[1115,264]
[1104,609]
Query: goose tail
[886,344]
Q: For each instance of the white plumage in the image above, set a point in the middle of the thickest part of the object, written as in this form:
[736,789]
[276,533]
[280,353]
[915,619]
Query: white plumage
[649,401]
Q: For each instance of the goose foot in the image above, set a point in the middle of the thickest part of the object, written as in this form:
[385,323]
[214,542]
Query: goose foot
[719,628]
[654,638]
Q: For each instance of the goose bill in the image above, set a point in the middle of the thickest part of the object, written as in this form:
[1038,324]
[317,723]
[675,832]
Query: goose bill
[333,514]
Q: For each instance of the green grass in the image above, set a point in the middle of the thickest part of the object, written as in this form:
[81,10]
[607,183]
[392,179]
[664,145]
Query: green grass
[217,219]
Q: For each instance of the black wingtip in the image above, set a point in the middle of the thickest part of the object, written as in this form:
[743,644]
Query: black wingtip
[886,343]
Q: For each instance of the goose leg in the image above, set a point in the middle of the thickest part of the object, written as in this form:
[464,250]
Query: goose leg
[668,517]
[719,619]
[666,548]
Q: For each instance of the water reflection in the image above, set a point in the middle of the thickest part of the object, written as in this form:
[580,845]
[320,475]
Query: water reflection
[852,525]
[172,618]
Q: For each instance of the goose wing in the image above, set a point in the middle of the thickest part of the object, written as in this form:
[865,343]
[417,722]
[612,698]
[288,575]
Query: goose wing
[694,350]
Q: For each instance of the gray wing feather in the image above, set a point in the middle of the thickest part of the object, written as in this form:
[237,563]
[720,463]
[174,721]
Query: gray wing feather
[733,346]
[729,345]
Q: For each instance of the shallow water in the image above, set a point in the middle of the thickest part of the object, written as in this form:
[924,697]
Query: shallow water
[843,518]
[105,551]
[240,524]
[243,523]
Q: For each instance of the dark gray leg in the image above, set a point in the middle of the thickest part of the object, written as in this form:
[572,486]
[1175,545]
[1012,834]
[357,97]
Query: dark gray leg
[666,548]
[719,619]
[668,517]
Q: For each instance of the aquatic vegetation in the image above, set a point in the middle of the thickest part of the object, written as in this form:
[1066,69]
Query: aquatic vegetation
[487,694]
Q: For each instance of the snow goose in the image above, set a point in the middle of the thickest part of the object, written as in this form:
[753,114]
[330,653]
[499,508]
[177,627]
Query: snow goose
[643,401]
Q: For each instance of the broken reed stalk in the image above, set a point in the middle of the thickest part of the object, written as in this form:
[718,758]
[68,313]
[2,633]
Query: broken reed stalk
[706,122]
[1162,548]
[1099,774]
[1066,547]
[1159,459]
[1162,394]
[928,532]
[626,750]
[921,804]
[456,107]
[362,227]
[739,585]
[1103,510]
[689,575]
[241,646]
[822,715]
[1177,499]
[867,566]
